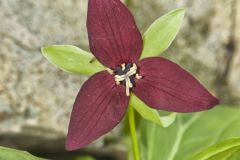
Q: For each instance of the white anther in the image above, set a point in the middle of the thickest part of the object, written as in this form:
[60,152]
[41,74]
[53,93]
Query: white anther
[128,82]
[120,76]
[123,66]
[138,76]
[128,86]
[127,91]
[110,71]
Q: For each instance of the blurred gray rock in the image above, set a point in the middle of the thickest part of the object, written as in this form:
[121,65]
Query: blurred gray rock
[33,93]
[36,96]
[234,73]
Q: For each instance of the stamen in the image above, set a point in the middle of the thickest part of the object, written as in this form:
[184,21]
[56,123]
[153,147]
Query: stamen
[129,82]
[127,90]
[117,82]
[138,76]
[119,78]
[110,71]
[123,66]
[127,76]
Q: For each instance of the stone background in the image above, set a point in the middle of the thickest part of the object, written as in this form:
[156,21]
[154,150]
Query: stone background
[36,98]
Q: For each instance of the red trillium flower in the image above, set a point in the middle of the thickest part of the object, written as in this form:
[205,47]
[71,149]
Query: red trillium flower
[103,99]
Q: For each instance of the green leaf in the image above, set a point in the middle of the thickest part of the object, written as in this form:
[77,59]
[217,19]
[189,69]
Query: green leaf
[219,151]
[190,134]
[226,155]
[161,33]
[235,156]
[151,114]
[13,154]
[72,59]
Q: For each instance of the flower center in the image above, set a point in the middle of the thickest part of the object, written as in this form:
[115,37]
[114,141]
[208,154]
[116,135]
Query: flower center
[125,75]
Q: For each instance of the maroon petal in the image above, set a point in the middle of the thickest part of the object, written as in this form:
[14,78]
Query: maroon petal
[113,35]
[99,107]
[167,86]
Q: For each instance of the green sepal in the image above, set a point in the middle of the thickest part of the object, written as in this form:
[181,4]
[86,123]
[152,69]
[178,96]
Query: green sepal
[161,33]
[150,114]
[72,59]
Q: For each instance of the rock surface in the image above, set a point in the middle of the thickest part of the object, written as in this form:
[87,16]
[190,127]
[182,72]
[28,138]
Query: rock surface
[234,73]
[34,95]
[33,92]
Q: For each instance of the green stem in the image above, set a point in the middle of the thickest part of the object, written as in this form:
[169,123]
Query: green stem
[133,132]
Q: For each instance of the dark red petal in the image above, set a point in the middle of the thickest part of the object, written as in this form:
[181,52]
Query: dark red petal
[113,35]
[99,107]
[167,86]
